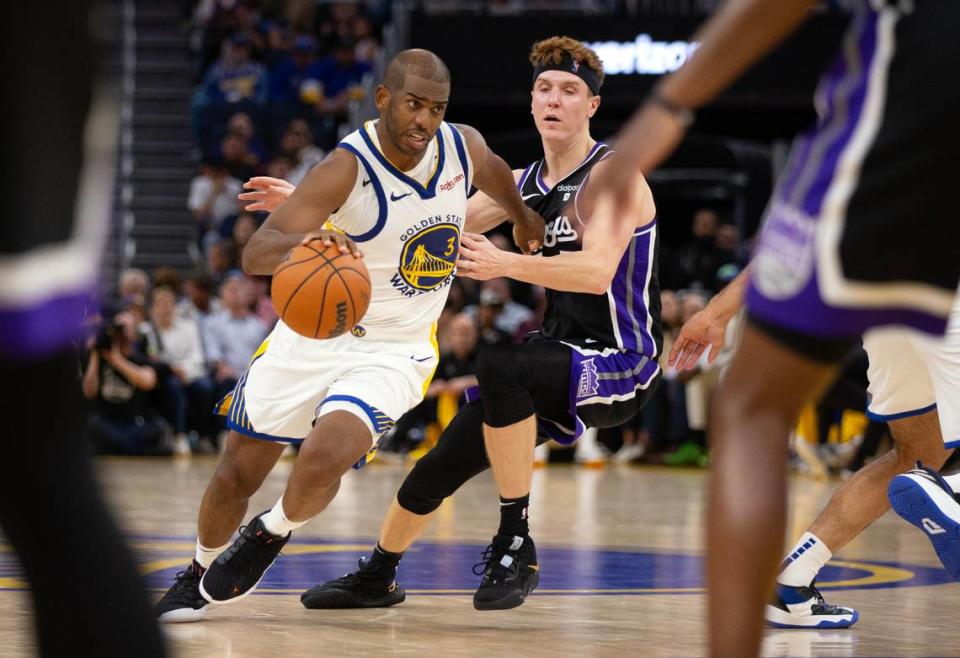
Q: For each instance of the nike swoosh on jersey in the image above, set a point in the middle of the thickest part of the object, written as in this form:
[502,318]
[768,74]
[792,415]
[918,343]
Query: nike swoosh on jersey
[529,196]
[397,198]
[426,358]
[366,181]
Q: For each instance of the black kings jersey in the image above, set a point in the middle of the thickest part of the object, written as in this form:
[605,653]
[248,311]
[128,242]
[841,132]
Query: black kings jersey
[627,315]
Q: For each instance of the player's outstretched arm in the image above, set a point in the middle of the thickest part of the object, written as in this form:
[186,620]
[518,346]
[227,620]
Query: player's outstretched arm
[493,177]
[707,328]
[590,270]
[483,213]
[324,189]
[736,37]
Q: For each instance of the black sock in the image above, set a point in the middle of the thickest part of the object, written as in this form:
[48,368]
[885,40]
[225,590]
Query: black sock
[383,560]
[513,516]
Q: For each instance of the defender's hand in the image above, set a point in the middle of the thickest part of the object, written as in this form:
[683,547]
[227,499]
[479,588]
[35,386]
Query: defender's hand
[266,193]
[480,259]
[697,334]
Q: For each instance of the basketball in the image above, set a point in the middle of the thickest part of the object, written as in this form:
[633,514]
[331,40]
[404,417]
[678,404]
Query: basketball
[320,292]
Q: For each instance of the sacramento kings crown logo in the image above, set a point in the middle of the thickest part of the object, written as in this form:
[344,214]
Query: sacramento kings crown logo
[589,382]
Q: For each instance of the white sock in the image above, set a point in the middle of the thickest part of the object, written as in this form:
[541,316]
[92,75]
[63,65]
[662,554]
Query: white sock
[953,481]
[804,561]
[205,556]
[277,523]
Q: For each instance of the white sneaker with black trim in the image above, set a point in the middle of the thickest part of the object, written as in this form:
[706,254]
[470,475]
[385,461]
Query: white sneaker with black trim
[804,607]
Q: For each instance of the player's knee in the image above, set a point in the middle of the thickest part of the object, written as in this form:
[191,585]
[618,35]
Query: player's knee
[499,367]
[424,488]
[231,482]
[320,473]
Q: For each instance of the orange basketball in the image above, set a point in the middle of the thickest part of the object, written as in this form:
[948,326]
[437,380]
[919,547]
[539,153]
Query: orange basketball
[320,292]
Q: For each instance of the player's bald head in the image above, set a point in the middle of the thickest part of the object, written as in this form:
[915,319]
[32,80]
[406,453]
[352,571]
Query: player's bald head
[415,63]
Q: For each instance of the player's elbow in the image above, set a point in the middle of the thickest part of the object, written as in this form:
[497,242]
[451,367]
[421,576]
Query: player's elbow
[602,277]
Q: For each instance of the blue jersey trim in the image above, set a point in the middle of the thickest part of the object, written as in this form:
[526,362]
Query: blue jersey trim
[902,414]
[381,422]
[261,436]
[381,197]
[426,192]
[462,154]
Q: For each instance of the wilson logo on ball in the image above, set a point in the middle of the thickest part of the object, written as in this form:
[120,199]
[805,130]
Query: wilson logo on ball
[319,292]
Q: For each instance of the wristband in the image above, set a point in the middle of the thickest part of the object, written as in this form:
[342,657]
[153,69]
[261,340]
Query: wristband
[682,114]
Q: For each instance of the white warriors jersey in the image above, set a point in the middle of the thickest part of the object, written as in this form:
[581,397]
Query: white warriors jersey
[407,224]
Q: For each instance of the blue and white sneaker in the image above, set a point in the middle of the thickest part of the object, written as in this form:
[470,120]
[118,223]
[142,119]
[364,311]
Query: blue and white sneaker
[924,499]
[804,607]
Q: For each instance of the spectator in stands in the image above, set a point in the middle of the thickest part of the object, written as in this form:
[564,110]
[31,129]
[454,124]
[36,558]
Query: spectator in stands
[730,254]
[242,125]
[134,285]
[662,425]
[233,334]
[336,21]
[297,144]
[366,41]
[235,83]
[513,314]
[117,377]
[169,277]
[199,302]
[280,166]
[489,311]
[221,259]
[279,41]
[340,74]
[259,300]
[243,229]
[187,393]
[213,198]
[240,161]
[235,77]
[693,450]
[289,92]
[697,261]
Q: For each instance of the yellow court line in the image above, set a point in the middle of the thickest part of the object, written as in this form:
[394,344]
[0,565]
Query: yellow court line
[13,583]
[880,575]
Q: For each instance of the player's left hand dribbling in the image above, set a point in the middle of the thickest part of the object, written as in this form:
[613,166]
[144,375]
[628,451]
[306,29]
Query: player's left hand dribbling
[480,259]
[345,244]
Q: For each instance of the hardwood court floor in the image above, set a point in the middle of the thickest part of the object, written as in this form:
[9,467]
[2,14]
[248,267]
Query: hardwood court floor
[620,555]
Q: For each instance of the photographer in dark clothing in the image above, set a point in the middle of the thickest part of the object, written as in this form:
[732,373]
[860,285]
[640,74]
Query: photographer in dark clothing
[117,378]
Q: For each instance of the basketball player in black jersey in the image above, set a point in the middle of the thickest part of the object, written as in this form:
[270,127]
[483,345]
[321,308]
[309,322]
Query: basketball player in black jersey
[59,133]
[593,364]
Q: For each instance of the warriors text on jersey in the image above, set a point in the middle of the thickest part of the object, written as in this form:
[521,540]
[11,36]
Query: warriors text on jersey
[627,315]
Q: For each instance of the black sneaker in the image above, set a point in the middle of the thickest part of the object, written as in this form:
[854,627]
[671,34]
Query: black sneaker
[510,573]
[238,570]
[364,588]
[183,602]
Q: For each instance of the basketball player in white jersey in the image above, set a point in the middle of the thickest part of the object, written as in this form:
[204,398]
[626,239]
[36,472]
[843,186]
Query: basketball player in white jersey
[914,385]
[397,188]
